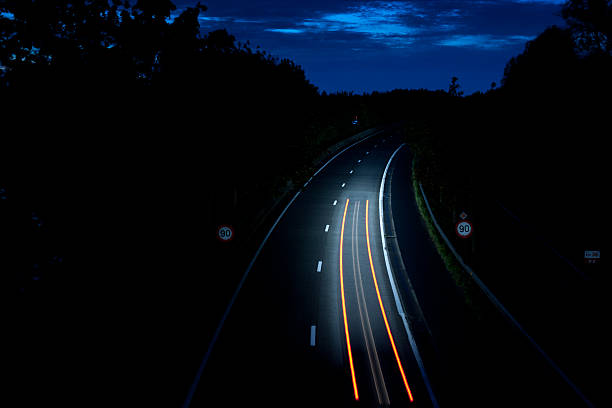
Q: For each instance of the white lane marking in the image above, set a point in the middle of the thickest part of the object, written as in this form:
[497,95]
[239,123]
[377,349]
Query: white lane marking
[213,341]
[359,161]
[351,172]
[345,149]
[327,228]
[343,184]
[313,335]
[398,303]
[319,266]
[335,202]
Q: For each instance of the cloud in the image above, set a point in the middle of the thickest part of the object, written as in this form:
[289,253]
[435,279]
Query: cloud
[378,18]
[206,18]
[285,30]
[482,41]
[380,24]
[541,1]
[248,21]
[380,21]
[403,24]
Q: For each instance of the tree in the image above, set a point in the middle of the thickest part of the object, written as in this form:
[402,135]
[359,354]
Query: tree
[590,22]
[453,87]
[548,62]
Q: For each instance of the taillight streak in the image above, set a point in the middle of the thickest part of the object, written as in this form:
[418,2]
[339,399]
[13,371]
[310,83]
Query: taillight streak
[382,308]
[346,330]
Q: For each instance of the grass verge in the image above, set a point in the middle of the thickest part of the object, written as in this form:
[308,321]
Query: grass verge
[458,274]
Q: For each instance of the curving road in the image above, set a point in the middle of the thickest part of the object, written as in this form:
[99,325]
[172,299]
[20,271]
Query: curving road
[324,319]
[316,320]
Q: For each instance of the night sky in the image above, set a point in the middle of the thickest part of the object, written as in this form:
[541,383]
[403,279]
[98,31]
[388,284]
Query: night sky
[363,46]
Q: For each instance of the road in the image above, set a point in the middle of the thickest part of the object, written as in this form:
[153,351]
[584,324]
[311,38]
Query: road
[317,320]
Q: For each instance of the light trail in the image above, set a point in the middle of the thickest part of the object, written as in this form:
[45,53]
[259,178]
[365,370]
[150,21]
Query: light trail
[377,375]
[346,331]
[382,308]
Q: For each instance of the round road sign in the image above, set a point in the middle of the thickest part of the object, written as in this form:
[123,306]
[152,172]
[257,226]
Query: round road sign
[463,229]
[225,233]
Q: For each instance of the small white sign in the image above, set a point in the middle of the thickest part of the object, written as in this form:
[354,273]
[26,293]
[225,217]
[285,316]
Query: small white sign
[592,257]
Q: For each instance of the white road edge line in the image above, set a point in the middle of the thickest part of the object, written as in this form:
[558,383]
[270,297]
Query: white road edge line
[327,228]
[313,335]
[198,375]
[351,172]
[335,202]
[194,385]
[398,303]
[343,184]
[319,266]
[501,307]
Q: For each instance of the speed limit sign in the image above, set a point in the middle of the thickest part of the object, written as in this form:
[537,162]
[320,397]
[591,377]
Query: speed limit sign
[225,233]
[463,229]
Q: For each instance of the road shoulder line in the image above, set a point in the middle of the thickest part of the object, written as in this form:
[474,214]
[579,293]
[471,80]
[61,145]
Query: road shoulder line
[211,345]
[398,303]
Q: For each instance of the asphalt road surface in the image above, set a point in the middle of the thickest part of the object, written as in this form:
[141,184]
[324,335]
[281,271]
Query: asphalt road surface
[317,321]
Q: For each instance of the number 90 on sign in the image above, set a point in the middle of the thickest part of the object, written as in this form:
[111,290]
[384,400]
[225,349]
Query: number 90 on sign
[463,229]
[225,233]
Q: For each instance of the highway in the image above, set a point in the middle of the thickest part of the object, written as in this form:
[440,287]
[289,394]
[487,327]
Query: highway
[326,318]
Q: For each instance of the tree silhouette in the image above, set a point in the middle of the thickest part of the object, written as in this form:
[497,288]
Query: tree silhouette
[546,63]
[590,22]
[453,87]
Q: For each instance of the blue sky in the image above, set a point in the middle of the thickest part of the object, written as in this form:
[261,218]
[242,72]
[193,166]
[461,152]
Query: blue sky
[362,45]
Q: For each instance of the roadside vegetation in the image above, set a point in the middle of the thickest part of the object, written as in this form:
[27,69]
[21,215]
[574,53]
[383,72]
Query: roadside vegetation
[533,144]
[524,161]
[459,275]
